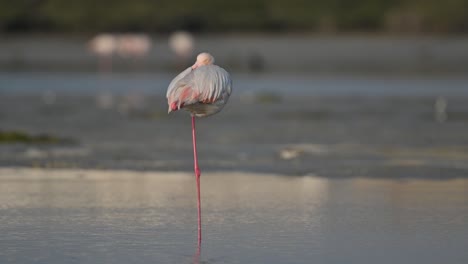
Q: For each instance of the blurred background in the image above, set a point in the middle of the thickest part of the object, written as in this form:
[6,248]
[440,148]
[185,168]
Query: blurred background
[307,36]
[335,88]
[345,139]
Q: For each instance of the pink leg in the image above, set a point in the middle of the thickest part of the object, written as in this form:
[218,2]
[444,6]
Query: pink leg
[197,174]
[105,64]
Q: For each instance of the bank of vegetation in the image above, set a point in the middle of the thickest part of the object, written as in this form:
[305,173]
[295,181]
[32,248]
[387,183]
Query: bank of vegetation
[160,16]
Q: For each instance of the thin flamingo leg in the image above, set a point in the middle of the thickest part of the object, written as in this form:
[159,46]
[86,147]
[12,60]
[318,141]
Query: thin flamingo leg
[105,64]
[197,174]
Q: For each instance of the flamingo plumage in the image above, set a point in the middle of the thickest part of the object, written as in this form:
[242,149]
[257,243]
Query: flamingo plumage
[202,89]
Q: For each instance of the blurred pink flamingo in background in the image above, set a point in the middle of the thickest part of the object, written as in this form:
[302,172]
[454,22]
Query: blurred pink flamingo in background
[182,44]
[133,45]
[202,89]
[127,46]
[103,45]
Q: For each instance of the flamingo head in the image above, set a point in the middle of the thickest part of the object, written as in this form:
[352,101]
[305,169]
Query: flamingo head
[203,59]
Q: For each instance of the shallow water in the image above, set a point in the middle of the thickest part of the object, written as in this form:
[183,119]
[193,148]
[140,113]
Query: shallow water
[291,124]
[72,216]
[375,173]
[245,84]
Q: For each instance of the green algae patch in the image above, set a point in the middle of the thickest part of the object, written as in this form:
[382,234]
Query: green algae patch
[9,137]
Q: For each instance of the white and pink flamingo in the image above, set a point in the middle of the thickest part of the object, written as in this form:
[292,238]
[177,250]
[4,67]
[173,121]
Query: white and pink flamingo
[202,89]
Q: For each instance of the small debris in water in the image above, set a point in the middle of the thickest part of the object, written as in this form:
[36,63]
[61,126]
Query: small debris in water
[290,153]
[440,109]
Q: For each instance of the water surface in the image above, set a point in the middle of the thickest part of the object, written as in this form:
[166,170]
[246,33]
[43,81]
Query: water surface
[73,216]
[337,125]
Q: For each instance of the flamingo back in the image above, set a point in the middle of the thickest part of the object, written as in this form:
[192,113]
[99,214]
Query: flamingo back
[202,91]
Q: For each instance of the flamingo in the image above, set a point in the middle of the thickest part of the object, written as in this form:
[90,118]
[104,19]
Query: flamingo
[103,45]
[182,44]
[133,45]
[202,89]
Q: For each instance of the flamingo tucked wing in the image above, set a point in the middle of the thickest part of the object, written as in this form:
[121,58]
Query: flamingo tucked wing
[202,91]
[179,92]
[212,83]
[173,84]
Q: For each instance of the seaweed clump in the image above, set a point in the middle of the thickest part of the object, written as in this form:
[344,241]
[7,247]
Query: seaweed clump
[21,137]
